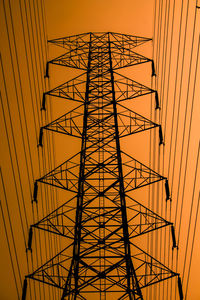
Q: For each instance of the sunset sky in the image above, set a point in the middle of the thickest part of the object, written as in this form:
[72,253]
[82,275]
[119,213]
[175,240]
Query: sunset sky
[25,28]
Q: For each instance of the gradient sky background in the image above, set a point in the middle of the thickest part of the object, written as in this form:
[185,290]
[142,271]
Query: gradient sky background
[22,85]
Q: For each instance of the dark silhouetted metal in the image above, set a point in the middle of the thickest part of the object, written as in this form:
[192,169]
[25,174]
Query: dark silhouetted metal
[101,221]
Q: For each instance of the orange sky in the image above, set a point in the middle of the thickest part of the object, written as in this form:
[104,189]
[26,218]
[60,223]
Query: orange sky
[72,17]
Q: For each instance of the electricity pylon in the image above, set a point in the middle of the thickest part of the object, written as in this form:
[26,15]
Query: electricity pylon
[101,259]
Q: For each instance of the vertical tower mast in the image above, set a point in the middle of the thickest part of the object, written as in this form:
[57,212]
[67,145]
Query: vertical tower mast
[102,259]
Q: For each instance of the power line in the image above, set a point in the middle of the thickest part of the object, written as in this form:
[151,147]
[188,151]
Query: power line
[7,239]
[191,211]
[192,248]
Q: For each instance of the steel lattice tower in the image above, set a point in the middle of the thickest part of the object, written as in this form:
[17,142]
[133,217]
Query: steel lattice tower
[101,259]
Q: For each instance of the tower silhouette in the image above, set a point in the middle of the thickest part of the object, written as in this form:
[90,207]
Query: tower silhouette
[102,220]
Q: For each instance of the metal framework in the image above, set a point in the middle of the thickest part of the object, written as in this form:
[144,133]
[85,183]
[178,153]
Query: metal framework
[100,222]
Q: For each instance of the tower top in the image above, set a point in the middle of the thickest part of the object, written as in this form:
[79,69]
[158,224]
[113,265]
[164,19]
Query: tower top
[78,47]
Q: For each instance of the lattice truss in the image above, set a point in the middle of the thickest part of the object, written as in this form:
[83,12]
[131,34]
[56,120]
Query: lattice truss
[100,258]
